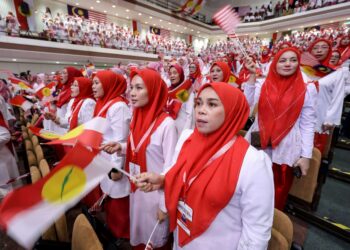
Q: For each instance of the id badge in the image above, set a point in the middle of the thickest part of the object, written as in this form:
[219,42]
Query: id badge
[185,211]
[134,169]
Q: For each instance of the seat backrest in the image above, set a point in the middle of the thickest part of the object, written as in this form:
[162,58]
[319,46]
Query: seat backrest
[34,174]
[44,167]
[39,153]
[277,241]
[62,229]
[35,140]
[31,158]
[84,236]
[304,188]
[28,145]
[328,144]
[283,225]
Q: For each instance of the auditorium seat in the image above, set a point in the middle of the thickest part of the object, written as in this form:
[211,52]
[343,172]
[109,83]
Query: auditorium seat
[84,236]
[282,232]
[34,174]
[44,167]
[35,140]
[31,158]
[304,188]
[39,153]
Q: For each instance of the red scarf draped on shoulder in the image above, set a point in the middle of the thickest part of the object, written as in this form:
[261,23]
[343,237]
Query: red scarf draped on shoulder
[280,103]
[85,92]
[324,62]
[114,86]
[214,185]
[143,117]
[65,94]
[178,94]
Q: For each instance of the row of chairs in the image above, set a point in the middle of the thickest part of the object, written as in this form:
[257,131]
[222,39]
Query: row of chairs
[39,168]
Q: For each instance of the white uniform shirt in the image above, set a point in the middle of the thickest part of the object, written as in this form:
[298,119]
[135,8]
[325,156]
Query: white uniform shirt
[85,114]
[246,222]
[118,119]
[144,206]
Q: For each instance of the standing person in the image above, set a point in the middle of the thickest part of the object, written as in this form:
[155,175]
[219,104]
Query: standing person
[285,120]
[81,107]
[150,147]
[180,99]
[8,165]
[219,193]
[67,76]
[109,90]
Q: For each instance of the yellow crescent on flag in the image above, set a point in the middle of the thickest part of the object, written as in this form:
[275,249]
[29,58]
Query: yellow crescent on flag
[22,85]
[64,185]
[46,92]
[182,95]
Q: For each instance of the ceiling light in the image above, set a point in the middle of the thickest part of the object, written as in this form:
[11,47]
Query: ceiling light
[140,14]
[198,32]
[105,64]
[14,59]
[98,1]
[276,30]
[113,6]
[35,11]
[246,34]
[57,62]
[191,29]
[127,10]
[256,33]
[160,20]
[75,63]
[91,8]
[105,11]
[316,24]
[185,28]
[288,28]
[348,18]
[154,24]
[169,22]
[127,17]
[77,4]
[150,17]
[162,27]
[177,25]
[53,72]
[332,21]
[146,22]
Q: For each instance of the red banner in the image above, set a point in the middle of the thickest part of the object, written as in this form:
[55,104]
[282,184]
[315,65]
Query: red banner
[22,19]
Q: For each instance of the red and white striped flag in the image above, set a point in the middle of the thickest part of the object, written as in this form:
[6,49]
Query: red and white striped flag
[227,19]
[22,84]
[97,16]
[21,102]
[164,33]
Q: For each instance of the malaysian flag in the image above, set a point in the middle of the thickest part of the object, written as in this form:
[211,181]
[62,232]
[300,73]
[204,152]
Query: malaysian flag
[165,33]
[227,19]
[97,16]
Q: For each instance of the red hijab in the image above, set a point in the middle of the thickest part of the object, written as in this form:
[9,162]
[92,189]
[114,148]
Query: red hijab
[179,70]
[265,58]
[339,61]
[195,75]
[324,62]
[280,103]
[341,47]
[143,117]
[65,93]
[85,91]
[114,86]
[226,71]
[214,185]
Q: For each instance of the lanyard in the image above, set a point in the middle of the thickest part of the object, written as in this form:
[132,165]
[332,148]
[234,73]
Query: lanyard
[144,137]
[219,153]
[105,107]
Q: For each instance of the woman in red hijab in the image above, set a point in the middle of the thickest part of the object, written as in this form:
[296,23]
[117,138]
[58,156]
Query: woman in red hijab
[285,120]
[81,107]
[322,50]
[344,44]
[109,89]
[196,77]
[180,98]
[219,193]
[221,72]
[67,76]
[150,147]
[335,60]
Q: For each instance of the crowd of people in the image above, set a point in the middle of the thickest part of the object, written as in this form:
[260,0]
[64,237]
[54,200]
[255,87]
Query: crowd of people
[284,8]
[175,125]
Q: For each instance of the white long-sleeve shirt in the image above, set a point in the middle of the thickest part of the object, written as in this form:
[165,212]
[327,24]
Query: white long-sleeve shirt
[118,118]
[299,141]
[144,206]
[332,90]
[85,114]
[246,222]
